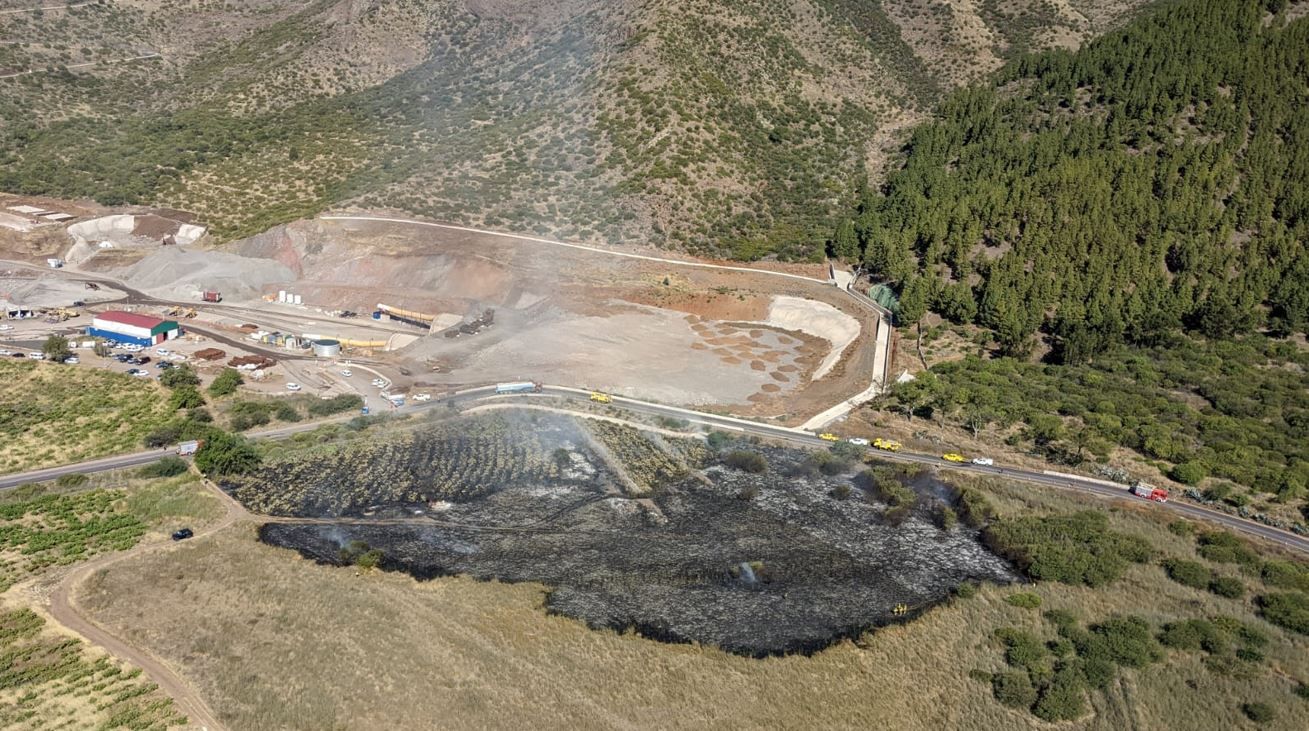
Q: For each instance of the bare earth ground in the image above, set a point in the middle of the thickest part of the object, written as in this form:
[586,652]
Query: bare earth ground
[274,641]
[737,341]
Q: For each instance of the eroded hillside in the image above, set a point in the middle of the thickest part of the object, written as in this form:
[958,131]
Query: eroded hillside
[734,127]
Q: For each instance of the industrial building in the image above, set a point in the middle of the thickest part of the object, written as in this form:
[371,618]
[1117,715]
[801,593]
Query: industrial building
[129,327]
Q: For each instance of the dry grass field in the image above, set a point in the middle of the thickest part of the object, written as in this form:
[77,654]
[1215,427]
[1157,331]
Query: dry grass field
[273,641]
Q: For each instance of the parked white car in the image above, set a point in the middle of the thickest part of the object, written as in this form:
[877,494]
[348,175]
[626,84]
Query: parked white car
[36,356]
[379,382]
[347,373]
[72,360]
[6,328]
[983,461]
[858,441]
[422,397]
[293,387]
[161,351]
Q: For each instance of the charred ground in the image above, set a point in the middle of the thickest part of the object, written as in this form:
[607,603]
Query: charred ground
[787,560]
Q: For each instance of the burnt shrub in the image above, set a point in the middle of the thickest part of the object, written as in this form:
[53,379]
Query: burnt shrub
[1259,712]
[1078,548]
[1188,573]
[746,461]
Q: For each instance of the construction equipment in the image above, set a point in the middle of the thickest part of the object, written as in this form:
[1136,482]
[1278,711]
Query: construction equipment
[953,457]
[92,285]
[420,319]
[829,437]
[600,398]
[190,312]
[173,311]
[210,295]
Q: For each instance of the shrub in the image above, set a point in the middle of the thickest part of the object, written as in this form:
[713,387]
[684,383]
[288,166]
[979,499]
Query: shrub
[1024,600]
[185,397]
[1192,635]
[1302,690]
[287,412]
[717,439]
[1285,574]
[1014,689]
[945,517]
[841,492]
[1259,712]
[74,479]
[746,461]
[169,466]
[1289,610]
[1127,641]
[966,590]
[226,382]
[974,508]
[1072,549]
[1188,573]
[335,405]
[1188,473]
[1064,699]
[1182,528]
[1227,586]
[183,375]
[1226,548]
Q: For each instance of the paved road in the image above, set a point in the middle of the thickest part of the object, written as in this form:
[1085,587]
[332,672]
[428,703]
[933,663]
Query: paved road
[732,424]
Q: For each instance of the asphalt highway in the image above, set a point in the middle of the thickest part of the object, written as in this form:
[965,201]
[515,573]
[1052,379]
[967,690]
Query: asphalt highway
[726,423]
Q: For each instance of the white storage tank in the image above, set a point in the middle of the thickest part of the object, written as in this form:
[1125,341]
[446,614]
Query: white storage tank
[327,348]
[281,295]
[297,299]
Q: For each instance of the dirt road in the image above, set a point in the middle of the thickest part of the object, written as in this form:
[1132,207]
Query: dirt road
[64,609]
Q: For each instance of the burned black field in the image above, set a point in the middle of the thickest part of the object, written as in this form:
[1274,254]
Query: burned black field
[671,542]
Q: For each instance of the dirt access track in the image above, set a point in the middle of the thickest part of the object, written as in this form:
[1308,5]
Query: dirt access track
[732,338]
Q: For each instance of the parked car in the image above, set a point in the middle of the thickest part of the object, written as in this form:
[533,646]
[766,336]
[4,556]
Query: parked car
[983,461]
[183,534]
[422,397]
[858,441]
[6,352]
[142,360]
[164,365]
[5,328]
[379,382]
[20,355]
[347,373]
[36,356]
[123,358]
[293,387]
[134,371]
[72,360]
[161,351]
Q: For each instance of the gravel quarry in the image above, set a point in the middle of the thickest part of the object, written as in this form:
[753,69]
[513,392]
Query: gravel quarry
[788,561]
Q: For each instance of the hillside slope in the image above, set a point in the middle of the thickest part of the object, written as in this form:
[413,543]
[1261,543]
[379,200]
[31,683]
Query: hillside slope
[735,128]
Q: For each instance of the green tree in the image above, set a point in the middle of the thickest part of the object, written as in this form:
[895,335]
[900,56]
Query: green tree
[56,348]
[226,382]
[226,454]
[183,375]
